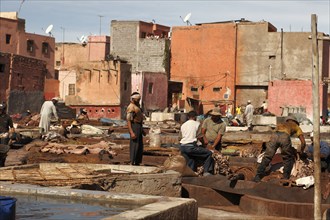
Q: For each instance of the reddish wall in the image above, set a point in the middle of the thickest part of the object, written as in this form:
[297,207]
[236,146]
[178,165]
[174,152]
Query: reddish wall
[292,93]
[51,89]
[99,47]
[204,57]
[96,112]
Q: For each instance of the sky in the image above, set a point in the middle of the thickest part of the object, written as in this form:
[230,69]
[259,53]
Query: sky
[73,19]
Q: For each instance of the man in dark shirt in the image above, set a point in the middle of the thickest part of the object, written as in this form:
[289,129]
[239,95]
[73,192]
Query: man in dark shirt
[6,128]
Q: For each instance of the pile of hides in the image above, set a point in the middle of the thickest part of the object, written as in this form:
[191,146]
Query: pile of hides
[99,148]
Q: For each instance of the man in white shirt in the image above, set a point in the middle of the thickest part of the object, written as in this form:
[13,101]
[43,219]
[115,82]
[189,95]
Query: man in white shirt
[190,150]
[248,114]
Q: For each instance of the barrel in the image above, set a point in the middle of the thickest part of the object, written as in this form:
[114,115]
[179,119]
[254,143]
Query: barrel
[7,208]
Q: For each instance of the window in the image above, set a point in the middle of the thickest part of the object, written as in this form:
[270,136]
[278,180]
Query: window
[143,34]
[150,88]
[58,63]
[72,89]
[56,74]
[2,68]
[45,48]
[272,57]
[125,86]
[8,38]
[216,89]
[194,89]
[30,45]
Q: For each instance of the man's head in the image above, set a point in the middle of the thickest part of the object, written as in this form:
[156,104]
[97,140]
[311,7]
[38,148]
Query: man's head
[215,114]
[2,108]
[135,97]
[55,100]
[292,118]
[249,102]
[192,115]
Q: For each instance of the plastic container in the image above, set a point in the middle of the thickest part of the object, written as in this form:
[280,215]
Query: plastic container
[7,208]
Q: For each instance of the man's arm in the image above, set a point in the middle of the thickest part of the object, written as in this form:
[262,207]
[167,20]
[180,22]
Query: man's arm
[204,136]
[303,143]
[216,141]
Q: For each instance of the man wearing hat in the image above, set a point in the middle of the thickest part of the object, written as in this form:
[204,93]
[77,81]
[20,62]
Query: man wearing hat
[47,110]
[213,128]
[248,114]
[134,118]
[83,114]
[282,138]
[6,128]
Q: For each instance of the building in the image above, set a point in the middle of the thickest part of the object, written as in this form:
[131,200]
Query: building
[91,79]
[235,61]
[146,47]
[27,61]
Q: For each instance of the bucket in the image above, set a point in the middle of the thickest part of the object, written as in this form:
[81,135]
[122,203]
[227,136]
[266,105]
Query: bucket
[7,208]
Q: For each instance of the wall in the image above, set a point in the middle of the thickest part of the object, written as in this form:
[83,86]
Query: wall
[99,47]
[292,93]
[65,78]
[95,86]
[68,54]
[51,89]
[143,53]
[203,57]
[155,97]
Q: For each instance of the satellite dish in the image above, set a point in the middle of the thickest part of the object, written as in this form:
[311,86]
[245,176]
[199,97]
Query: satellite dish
[83,40]
[186,19]
[49,30]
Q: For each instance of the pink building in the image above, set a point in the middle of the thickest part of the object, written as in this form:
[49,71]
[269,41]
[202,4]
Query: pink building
[27,61]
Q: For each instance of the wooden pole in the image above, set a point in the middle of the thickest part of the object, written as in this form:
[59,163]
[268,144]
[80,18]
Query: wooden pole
[316,121]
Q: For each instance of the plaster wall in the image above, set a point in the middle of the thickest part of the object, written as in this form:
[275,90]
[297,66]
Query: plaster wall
[203,58]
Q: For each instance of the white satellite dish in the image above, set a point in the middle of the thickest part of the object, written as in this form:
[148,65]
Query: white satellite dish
[186,19]
[49,30]
[83,40]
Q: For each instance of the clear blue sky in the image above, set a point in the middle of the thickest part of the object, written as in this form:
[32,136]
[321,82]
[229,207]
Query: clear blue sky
[83,17]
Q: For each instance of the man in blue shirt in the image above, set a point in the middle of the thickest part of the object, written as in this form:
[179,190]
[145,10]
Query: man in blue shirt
[324,153]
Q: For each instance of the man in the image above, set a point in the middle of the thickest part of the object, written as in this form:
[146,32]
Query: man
[189,132]
[134,118]
[248,114]
[264,107]
[324,153]
[213,129]
[281,138]
[6,131]
[47,110]
[83,115]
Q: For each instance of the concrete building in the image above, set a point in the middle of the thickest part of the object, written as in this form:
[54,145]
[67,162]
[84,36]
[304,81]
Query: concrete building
[203,59]
[27,61]
[91,79]
[146,47]
[252,60]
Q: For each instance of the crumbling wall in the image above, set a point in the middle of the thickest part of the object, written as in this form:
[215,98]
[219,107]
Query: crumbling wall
[20,101]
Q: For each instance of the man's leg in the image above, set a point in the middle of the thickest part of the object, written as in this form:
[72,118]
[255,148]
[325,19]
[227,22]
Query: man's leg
[205,155]
[271,148]
[288,155]
[186,151]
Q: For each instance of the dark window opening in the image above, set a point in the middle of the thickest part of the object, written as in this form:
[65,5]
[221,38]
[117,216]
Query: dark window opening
[8,38]
[150,88]
[30,45]
[272,57]
[216,89]
[72,89]
[125,86]
[45,48]
[194,89]
[58,63]
[143,34]
[56,74]
[2,68]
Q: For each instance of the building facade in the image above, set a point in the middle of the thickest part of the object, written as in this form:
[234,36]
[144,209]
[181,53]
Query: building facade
[26,60]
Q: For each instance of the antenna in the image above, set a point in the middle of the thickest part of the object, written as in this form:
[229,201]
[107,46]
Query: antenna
[186,19]
[101,16]
[49,30]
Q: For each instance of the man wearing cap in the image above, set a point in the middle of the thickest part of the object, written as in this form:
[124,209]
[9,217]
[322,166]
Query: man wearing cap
[190,132]
[282,138]
[213,129]
[324,153]
[47,110]
[248,114]
[83,115]
[134,118]
[6,128]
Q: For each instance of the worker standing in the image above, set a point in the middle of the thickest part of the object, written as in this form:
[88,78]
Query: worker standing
[47,110]
[282,138]
[6,130]
[248,114]
[134,122]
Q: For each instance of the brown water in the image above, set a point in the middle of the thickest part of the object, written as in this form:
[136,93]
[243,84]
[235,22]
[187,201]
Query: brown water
[31,207]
